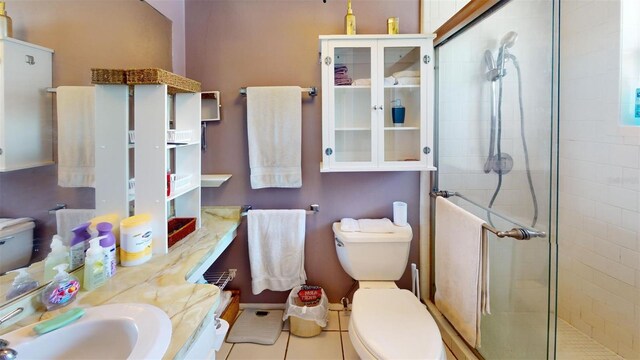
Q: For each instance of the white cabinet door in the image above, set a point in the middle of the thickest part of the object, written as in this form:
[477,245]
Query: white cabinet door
[350,106]
[377,109]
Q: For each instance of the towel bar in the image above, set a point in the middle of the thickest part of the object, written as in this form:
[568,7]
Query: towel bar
[519,233]
[312,91]
[313,209]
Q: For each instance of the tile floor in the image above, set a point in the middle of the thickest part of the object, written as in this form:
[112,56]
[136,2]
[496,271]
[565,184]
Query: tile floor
[574,345]
[332,343]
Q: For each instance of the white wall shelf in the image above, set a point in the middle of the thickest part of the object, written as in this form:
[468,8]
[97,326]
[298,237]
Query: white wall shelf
[214,180]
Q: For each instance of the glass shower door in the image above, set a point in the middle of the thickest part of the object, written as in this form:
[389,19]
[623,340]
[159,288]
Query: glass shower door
[495,137]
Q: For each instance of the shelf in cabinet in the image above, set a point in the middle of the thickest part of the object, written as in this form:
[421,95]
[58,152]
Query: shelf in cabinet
[353,129]
[183,191]
[402,86]
[401,128]
[340,87]
[180,145]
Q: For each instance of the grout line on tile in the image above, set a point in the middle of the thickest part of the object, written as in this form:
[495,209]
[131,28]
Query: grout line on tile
[286,350]
[341,342]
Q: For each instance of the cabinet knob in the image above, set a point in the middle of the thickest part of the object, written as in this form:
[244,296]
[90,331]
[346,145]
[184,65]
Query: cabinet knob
[328,151]
[375,107]
[327,60]
[381,108]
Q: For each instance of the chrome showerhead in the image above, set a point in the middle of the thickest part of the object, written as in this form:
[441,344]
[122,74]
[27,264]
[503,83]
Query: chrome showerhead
[509,39]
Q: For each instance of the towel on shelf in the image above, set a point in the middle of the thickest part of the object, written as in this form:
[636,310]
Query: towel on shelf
[276,249]
[388,81]
[349,225]
[67,219]
[462,262]
[274,132]
[383,225]
[406,73]
[76,136]
[407,80]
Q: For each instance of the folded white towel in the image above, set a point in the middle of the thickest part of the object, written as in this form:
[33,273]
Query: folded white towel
[376,225]
[349,225]
[274,132]
[409,80]
[407,73]
[388,81]
[276,249]
[76,136]
[462,262]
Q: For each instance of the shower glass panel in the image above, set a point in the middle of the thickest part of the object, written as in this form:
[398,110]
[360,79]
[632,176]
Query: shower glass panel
[495,92]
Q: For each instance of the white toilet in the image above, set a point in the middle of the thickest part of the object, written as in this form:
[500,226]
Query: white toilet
[386,322]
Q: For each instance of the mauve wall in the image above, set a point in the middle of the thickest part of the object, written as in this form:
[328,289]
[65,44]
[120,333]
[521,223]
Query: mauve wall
[84,34]
[233,43]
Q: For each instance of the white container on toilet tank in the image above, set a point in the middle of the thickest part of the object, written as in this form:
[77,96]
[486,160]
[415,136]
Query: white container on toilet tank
[373,256]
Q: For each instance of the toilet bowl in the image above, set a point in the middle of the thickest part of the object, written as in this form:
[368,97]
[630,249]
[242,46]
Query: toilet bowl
[386,322]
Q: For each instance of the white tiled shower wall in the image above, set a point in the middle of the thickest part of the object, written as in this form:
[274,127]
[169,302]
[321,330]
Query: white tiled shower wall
[599,219]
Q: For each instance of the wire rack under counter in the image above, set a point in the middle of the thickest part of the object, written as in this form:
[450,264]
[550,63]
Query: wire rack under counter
[220,279]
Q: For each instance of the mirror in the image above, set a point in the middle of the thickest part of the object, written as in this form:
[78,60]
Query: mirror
[84,35]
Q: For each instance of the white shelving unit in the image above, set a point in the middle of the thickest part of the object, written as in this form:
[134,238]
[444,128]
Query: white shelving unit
[155,113]
[358,133]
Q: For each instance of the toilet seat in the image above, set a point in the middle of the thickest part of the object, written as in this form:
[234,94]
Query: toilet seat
[393,324]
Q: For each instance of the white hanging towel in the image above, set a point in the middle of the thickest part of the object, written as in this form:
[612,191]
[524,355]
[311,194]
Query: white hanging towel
[76,136]
[462,262]
[274,132]
[67,219]
[276,249]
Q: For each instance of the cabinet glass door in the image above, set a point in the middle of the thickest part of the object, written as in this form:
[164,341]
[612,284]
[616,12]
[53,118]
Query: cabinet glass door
[403,104]
[352,96]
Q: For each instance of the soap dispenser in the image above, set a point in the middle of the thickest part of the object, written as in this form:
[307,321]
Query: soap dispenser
[94,267]
[59,255]
[78,244]
[21,284]
[62,290]
[108,244]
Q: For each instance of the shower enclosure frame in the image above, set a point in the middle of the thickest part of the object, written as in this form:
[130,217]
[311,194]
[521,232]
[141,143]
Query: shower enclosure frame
[473,13]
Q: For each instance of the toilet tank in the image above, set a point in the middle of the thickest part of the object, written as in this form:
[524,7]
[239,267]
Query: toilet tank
[373,256]
[16,243]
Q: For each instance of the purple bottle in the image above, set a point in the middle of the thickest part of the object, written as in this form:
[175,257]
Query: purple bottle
[78,244]
[108,243]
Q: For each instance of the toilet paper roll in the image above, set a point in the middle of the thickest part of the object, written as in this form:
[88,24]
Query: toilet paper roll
[400,213]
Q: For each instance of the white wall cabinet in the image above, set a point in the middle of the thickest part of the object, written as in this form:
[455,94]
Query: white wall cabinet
[363,77]
[167,139]
[25,106]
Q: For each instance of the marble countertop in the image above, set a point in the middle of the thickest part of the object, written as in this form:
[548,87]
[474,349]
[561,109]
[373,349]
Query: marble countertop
[162,282]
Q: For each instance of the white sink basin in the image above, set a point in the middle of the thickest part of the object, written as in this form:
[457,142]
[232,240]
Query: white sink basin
[115,331]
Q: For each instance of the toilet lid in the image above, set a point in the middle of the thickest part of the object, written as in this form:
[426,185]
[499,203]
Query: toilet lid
[393,324]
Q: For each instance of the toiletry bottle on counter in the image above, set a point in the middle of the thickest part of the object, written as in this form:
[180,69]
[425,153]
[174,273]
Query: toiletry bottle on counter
[78,244]
[94,266]
[135,240]
[21,284]
[62,289]
[59,255]
[108,243]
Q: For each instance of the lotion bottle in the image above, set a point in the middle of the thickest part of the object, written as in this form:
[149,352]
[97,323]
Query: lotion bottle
[108,244]
[78,244]
[59,255]
[349,21]
[94,267]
